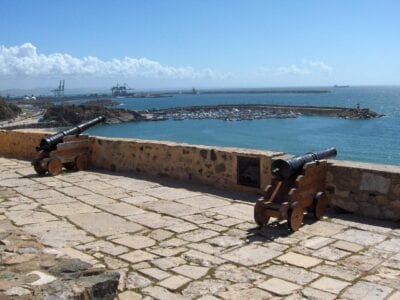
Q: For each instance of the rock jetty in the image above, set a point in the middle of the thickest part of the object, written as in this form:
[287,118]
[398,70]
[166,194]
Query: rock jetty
[256,111]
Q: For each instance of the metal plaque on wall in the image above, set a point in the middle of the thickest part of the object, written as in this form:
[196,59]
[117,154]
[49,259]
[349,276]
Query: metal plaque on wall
[248,171]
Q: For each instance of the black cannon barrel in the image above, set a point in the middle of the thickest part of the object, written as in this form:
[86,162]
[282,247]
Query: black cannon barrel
[285,168]
[50,143]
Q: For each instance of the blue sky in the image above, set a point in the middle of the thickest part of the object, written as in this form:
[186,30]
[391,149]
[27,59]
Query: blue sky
[171,43]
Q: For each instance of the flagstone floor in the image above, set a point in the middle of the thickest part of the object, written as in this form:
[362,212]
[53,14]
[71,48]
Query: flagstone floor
[172,240]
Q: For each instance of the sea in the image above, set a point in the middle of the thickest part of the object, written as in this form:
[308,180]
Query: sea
[372,140]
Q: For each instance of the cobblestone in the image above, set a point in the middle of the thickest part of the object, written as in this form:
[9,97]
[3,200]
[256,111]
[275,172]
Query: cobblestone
[170,241]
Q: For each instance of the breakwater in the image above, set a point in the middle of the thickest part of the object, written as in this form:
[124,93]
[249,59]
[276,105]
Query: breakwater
[256,111]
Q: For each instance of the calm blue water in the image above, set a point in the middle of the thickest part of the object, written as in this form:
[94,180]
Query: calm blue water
[375,140]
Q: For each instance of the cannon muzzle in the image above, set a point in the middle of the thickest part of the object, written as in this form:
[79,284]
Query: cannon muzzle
[50,143]
[284,168]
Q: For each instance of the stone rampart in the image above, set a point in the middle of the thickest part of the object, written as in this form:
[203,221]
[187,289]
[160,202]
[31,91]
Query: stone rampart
[370,190]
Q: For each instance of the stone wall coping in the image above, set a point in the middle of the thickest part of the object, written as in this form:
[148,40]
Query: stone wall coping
[373,167]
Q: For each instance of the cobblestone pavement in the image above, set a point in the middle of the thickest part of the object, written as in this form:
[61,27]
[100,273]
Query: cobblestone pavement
[173,241]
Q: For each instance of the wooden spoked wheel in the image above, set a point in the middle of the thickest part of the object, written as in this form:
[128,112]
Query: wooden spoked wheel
[295,217]
[260,215]
[320,204]
[39,169]
[54,166]
[82,162]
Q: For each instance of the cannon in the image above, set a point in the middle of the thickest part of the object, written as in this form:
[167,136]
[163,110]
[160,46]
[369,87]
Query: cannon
[297,184]
[66,148]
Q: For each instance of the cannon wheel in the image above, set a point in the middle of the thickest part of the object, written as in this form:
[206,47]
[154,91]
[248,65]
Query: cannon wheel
[295,217]
[82,162]
[260,216]
[54,166]
[39,169]
[319,204]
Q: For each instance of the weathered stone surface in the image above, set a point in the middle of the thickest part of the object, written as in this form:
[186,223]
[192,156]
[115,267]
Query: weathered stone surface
[317,242]
[135,241]
[341,272]
[347,246]
[166,263]
[392,245]
[129,295]
[225,241]
[103,224]
[194,272]
[236,274]
[137,256]
[299,260]
[253,293]
[279,286]
[330,285]
[366,290]
[361,262]
[135,281]
[70,208]
[330,253]
[290,273]
[374,183]
[314,294]
[167,193]
[361,237]
[170,208]
[174,282]
[197,235]
[238,211]
[103,246]
[155,273]
[206,287]
[201,258]
[121,209]
[251,255]
[204,201]
[24,217]
[161,293]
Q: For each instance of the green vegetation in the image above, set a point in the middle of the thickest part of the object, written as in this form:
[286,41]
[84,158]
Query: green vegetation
[8,110]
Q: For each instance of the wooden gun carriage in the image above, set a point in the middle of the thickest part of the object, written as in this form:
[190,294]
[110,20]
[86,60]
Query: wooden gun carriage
[297,184]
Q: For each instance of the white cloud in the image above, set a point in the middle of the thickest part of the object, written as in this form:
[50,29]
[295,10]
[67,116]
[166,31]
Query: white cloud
[25,60]
[306,67]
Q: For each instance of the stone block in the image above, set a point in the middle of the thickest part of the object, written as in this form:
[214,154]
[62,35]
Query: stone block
[174,282]
[367,290]
[299,260]
[330,285]
[251,255]
[279,286]
[294,274]
[375,183]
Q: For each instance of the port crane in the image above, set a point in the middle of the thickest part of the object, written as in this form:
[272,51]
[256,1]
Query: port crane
[59,92]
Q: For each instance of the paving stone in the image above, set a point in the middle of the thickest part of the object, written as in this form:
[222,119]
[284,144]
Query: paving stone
[137,256]
[103,224]
[314,294]
[73,253]
[58,234]
[104,246]
[139,199]
[174,242]
[121,209]
[160,234]
[155,273]
[158,292]
[168,251]
[361,262]
[391,245]
[228,222]
[238,211]
[135,241]
[322,229]
[94,199]
[166,263]
[342,272]
[174,282]
[279,286]
[317,242]
[293,274]
[394,296]
[299,260]
[206,248]
[330,285]
[131,184]
[347,246]
[71,208]
[194,272]
[361,237]
[136,281]
[152,220]
[170,208]
[74,191]
[114,263]
[366,290]
[251,255]
[236,274]
[24,217]
[330,253]
[253,293]
[167,193]
[197,235]
[196,289]
[214,227]
[201,258]
[197,219]
[204,202]
[225,241]
[129,295]
[181,226]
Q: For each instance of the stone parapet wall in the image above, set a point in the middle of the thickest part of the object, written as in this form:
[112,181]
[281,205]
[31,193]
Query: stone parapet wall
[368,189]
[371,190]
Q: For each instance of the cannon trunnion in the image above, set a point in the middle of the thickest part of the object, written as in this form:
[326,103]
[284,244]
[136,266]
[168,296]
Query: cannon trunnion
[66,149]
[297,184]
